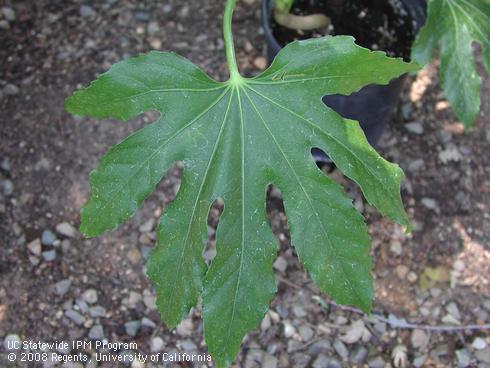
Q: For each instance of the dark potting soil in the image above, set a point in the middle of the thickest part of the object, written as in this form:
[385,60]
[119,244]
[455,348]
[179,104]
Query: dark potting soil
[376,24]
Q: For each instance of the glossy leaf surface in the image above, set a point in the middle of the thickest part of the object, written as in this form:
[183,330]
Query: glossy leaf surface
[236,138]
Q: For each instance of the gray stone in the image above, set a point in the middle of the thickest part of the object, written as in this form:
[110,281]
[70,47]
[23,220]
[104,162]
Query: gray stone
[133,299]
[86,11]
[430,203]
[66,229]
[358,354]
[49,255]
[321,361]
[150,301]
[416,165]
[147,226]
[132,327]
[97,311]
[188,345]
[5,164]
[269,361]
[289,329]
[145,251]
[8,187]
[479,344]
[96,333]
[281,264]
[407,110]
[185,328]
[90,296]
[146,322]
[8,13]
[75,317]
[305,332]
[157,344]
[10,342]
[3,25]
[419,339]
[82,304]
[414,127]
[377,362]
[319,346]
[142,15]
[299,311]
[48,238]
[483,355]
[419,361]
[324,361]
[62,287]
[35,247]
[340,348]
[10,90]
[463,357]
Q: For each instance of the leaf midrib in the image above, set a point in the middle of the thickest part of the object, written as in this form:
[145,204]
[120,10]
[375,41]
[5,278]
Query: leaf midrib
[206,172]
[240,267]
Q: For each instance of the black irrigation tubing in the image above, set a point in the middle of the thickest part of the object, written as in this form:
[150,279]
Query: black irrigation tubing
[406,325]
[399,323]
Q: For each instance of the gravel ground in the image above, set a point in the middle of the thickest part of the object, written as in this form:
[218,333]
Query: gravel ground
[56,285]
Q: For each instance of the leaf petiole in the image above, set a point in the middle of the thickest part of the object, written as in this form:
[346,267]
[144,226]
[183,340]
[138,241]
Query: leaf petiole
[235,77]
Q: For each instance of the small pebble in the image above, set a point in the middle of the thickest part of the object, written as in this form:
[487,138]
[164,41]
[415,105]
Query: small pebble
[146,322]
[75,317]
[377,362]
[188,345]
[132,327]
[96,333]
[90,296]
[97,311]
[142,15]
[340,348]
[49,255]
[281,264]
[10,90]
[185,328]
[157,344]
[86,11]
[415,127]
[62,287]
[419,339]
[479,344]
[66,229]
[10,342]
[147,226]
[358,354]
[8,187]
[463,357]
[35,247]
[48,238]
[8,13]
[305,332]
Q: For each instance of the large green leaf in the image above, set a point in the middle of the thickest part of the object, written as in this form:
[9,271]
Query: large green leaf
[236,138]
[453,25]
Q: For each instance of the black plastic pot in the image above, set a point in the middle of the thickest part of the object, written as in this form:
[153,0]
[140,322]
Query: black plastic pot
[373,105]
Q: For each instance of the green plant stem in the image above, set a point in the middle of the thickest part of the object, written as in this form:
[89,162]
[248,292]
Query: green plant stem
[229,45]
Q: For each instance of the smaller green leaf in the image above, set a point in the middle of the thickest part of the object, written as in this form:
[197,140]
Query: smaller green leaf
[454,25]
